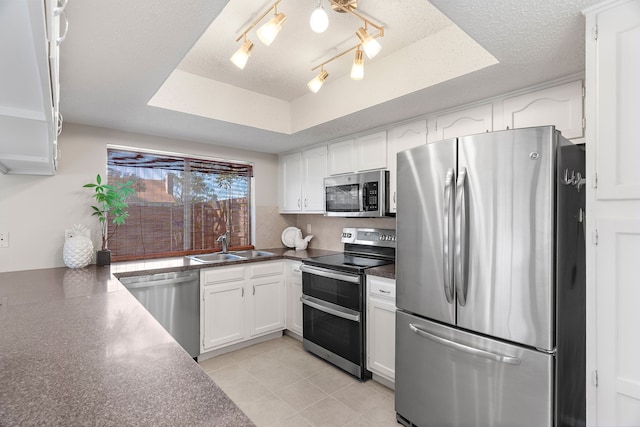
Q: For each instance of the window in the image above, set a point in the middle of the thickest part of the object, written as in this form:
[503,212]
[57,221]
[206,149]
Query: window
[182,205]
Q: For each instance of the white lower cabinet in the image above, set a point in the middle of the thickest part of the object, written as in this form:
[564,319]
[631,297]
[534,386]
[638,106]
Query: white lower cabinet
[294,292]
[240,303]
[381,326]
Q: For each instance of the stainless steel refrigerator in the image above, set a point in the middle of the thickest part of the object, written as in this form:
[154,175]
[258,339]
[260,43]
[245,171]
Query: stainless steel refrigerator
[490,321]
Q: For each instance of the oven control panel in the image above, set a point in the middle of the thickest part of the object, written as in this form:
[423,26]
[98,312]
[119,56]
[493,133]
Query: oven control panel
[369,236]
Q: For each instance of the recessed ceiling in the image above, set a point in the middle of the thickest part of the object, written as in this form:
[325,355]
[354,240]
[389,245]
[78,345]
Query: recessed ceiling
[162,68]
[275,77]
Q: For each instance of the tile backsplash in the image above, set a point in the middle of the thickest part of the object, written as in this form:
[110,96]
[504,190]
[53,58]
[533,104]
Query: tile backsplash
[327,231]
[269,226]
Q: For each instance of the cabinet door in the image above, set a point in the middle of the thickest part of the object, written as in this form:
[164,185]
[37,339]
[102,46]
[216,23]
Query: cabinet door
[314,170]
[381,326]
[560,106]
[402,138]
[294,306]
[381,337]
[465,122]
[222,314]
[342,157]
[613,213]
[267,305]
[290,182]
[371,151]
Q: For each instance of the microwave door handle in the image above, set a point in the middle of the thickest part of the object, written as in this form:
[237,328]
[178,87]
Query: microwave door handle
[365,197]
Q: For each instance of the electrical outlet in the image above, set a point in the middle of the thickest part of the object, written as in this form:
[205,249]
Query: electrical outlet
[308,228]
[4,239]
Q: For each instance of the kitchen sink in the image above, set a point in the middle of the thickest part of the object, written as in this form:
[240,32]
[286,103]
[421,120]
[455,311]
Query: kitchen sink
[252,254]
[216,257]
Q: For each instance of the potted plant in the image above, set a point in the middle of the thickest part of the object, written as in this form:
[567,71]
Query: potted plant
[111,205]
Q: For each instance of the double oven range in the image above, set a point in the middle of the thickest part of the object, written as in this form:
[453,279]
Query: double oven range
[334,297]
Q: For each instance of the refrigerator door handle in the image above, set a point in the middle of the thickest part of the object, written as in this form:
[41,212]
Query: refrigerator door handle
[460,234]
[510,360]
[447,253]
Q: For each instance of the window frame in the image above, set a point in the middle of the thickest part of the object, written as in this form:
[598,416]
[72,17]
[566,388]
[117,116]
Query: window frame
[252,207]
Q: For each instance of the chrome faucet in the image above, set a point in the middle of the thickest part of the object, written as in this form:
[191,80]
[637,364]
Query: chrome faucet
[225,245]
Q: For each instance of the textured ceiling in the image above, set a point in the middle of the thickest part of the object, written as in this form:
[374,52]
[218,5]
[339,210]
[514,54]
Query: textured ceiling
[119,53]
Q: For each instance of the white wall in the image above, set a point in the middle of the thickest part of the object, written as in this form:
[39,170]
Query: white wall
[35,210]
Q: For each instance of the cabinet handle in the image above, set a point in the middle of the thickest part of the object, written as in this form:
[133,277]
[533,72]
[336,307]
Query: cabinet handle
[394,197]
[254,289]
[305,203]
[298,202]
[384,292]
[242,296]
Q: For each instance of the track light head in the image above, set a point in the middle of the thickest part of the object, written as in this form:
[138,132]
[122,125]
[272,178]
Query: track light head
[241,55]
[268,32]
[316,83]
[369,44]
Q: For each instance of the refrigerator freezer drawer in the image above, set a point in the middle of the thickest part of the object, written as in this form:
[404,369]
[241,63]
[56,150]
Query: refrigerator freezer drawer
[447,377]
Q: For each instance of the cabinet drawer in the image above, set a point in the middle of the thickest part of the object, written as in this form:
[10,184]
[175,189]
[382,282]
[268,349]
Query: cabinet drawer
[294,269]
[382,287]
[217,275]
[265,269]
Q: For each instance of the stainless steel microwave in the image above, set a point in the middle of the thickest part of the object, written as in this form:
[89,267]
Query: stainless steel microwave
[362,194]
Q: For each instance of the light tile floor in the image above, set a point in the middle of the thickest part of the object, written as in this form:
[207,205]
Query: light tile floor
[277,383]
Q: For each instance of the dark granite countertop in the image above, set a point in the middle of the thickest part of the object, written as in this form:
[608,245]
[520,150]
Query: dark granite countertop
[165,265]
[76,348]
[388,271]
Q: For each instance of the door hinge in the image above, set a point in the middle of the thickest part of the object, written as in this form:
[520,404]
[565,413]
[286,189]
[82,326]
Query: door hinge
[595,237]
[594,378]
[595,180]
[594,32]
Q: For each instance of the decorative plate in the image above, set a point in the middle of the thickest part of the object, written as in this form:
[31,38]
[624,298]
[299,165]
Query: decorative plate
[289,236]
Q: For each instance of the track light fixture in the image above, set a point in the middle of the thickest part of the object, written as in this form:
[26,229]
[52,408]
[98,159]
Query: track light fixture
[319,22]
[268,32]
[316,83]
[357,69]
[241,56]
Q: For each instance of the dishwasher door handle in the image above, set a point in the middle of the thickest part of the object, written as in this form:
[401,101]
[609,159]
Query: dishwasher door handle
[160,282]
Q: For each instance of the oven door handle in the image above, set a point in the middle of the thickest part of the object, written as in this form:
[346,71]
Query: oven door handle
[330,308]
[330,274]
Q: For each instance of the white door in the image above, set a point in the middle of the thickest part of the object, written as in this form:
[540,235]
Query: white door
[342,157]
[267,305]
[314,169]
[371,151]
[613,213]
[223,314]
[402,138]
[290,183]
[294,306]
[466,122]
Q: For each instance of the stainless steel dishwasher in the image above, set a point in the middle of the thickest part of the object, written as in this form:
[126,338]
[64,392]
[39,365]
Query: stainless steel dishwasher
[173,299]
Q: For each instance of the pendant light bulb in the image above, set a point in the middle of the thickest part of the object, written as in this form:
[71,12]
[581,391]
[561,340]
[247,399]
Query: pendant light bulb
[357,69]
[369,44]
[316,83]
[241,56]
[268,32]
[319,20]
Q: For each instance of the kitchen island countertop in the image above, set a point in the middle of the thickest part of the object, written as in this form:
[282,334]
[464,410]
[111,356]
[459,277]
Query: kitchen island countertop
[76,348]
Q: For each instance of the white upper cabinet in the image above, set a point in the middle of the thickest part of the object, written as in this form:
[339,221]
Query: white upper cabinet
[364,153]
[314,169]
[30,35]
[402,138]
[560,106]
[371,151]
[301,181]
[464,122]
[291,182]
[342,157]
[613,212]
